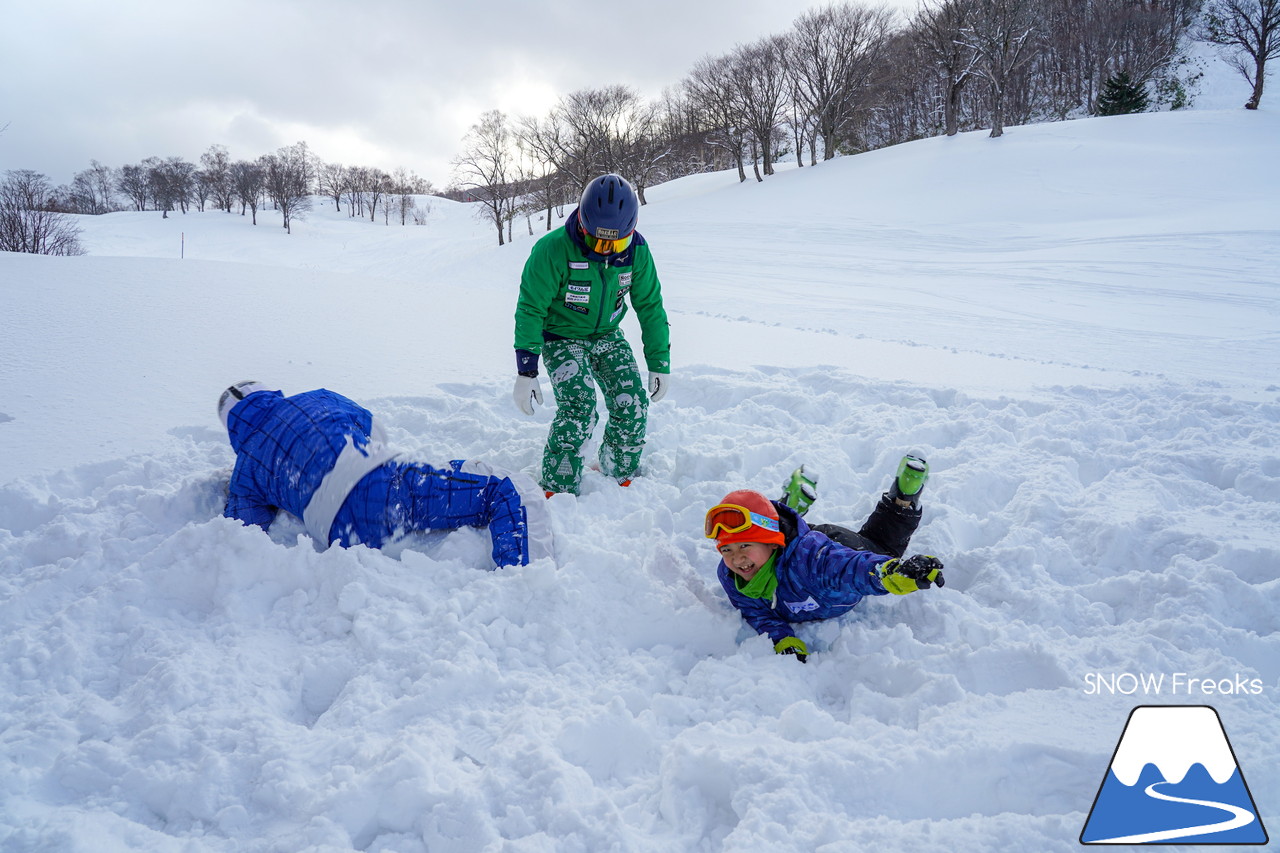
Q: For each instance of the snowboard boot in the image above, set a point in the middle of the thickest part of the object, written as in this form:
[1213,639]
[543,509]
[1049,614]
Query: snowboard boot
[800,490]
[906,487]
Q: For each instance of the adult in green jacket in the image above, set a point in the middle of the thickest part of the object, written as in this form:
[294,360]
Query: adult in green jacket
[573,294]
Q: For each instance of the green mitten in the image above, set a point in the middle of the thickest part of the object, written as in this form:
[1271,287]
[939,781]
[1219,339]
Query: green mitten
[792,646]
[905,576]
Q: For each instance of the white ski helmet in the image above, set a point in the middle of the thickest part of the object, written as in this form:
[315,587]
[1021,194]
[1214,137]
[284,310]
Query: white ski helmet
[235,394]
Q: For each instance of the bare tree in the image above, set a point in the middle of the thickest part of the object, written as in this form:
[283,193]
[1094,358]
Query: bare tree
[487,166]
[248,183]
[758,72]
[421,213]
[596,119]
[160,188]
[359,180]
[201,189]
[938,30]
[643,147]
[379,184]
[1250,32]
[683,128]
[404,185]
[172,183]
[1000,34]
[215,168]
[543,143]
[332,180]
[710,89]
[288,177]
[27,222]
[835,53]
[907,103]
[132,181]
[354,183]
[92,191]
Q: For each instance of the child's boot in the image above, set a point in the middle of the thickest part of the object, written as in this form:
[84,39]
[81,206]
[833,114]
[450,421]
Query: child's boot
[800,490]
[913,472]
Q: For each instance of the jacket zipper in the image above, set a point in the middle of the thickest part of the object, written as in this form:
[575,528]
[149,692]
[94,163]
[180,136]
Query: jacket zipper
[603,298]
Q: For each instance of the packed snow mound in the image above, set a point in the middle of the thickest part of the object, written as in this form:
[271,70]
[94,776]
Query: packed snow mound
[1095,393]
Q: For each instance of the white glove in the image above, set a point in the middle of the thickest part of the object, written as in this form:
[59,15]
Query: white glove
[526,393]
[658,385]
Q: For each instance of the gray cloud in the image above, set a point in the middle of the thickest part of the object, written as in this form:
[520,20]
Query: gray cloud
[387,83]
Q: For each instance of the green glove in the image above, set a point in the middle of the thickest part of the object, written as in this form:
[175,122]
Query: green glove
[792,646]
[905,576]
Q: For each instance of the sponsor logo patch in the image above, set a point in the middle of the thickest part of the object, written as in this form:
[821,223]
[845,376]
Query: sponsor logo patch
[801,606]
[579,265]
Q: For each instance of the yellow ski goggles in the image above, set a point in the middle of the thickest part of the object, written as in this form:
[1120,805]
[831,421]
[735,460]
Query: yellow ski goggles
[727,519]
[602,246]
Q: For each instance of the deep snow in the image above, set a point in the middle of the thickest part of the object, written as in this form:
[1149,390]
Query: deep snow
[1077,324]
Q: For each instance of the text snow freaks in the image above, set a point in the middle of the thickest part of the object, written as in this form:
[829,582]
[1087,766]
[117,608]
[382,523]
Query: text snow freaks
[1176,684]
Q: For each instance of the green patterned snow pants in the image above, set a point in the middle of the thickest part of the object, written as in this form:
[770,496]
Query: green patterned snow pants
[576,367]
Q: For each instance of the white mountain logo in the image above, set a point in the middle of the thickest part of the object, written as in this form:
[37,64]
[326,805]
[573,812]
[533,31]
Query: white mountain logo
[1173,779]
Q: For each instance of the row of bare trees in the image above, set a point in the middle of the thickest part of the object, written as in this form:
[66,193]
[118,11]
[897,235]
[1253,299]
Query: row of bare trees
[362,189]
[286,180]
[849,77]
[33,212]
[28,222]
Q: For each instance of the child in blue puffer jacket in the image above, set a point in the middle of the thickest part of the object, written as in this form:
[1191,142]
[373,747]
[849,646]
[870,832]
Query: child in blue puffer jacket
[778,570]
[324,459]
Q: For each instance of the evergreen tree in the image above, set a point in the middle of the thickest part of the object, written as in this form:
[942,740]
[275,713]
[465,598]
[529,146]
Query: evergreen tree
[1121,96]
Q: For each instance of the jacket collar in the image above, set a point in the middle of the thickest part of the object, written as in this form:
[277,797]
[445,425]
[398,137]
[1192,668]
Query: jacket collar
[793,526]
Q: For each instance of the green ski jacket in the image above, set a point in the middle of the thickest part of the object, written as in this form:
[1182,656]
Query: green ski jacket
[567,292]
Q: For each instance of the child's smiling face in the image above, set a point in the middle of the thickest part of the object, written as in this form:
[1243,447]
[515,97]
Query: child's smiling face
[744,559]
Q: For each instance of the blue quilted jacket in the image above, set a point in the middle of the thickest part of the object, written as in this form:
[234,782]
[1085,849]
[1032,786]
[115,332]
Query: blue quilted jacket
[817,579]
[320,457]
[285,446]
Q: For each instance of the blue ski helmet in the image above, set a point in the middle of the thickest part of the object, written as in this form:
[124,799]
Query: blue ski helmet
[609,208]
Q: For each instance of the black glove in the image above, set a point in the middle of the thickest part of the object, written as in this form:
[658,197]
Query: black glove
[916,572]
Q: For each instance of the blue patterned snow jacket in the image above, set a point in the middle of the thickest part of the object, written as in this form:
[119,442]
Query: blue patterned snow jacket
[817,579]
[286,452]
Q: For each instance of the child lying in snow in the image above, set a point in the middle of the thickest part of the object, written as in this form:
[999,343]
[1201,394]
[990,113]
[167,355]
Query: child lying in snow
[777,570]
[323,458]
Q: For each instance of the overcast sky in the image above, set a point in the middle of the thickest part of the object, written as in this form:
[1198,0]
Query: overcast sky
[385,83]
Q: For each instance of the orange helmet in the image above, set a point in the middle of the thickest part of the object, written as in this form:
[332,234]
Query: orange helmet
[744,516]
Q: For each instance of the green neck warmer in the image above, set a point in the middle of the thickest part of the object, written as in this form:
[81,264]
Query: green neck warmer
[764,582]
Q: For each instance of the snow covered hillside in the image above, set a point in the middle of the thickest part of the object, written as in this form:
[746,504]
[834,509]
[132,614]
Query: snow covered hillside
[1077,324]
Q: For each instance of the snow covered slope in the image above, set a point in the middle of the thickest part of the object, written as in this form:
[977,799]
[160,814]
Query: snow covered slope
[1077,324]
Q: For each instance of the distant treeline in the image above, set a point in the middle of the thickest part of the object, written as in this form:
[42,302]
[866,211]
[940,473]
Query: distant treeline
[845,78]
[285,180]
[848,78]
